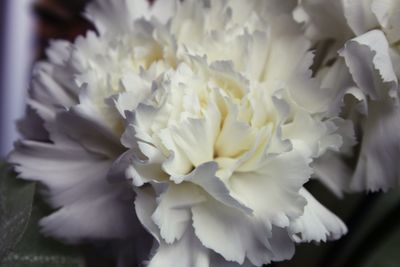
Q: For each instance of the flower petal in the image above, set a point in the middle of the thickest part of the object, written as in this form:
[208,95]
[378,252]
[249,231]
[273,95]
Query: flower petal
[368,59]
[163,10]
[359,15]
[76,183]
[287,47]
[111,16]
[231,233]
[104,216]
[145,205]
[387,13]
[84,125]
[282,176]
[172,214]
[204,176]
[377,167]
[317,223]
[333,172]
[188,251]
[317,135]
[325,19]
[196,135]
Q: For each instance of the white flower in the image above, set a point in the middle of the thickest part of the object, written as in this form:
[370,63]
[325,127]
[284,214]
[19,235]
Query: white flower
[226,136]
[369,49]
[208,108]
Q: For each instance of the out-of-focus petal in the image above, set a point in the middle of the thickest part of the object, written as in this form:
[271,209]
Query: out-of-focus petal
[116,16]
[359,15]
[377,166]
[368,59]
[75,183]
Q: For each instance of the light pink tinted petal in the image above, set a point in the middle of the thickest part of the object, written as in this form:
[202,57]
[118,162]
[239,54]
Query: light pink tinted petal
[75,182]
[84,125]
[106,216]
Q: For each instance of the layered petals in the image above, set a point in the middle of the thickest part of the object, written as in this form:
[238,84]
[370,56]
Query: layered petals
[199,119]
[75,183]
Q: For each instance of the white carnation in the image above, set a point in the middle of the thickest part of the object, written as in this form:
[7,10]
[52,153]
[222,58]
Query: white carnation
[226,136]
[208,108]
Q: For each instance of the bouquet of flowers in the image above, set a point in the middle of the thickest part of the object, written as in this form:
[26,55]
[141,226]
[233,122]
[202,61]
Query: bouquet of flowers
[193,128]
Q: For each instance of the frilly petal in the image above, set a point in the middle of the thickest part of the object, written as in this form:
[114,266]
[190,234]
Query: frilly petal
[317,136]
[172,214]
[230,233]
[377,166]
[368,59]
[188,251]
[317,223]
[75,182]
[337,80]
[194,135]
[82,124]
[239,238]
[331,168]
[282,176]
[86,219]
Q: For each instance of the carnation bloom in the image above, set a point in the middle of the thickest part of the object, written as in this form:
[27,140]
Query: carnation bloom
[207,108]
[225,136]
[369,68]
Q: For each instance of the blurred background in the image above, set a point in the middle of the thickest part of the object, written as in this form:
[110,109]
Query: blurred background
[26,28]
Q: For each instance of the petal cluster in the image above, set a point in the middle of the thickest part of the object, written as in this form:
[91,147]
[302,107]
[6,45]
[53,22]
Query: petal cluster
[201,122]
[365,52]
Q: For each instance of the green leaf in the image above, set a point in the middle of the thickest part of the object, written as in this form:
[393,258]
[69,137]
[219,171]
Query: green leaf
[21,243]
[36,250]
[16,199]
